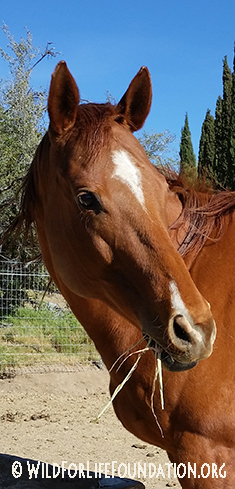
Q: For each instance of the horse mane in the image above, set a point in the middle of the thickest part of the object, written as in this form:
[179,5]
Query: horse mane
[203,209]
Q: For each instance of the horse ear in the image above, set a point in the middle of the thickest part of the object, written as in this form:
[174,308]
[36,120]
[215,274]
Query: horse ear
[136,102]
[63,99]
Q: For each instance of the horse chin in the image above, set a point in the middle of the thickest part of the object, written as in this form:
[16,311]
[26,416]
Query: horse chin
[168,362]
[173,366]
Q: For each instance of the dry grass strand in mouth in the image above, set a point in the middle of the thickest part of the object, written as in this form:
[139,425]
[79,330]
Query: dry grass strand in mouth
[119,387]
[158,374]
[159,369]
[143,350]
[128,376]
[125,353]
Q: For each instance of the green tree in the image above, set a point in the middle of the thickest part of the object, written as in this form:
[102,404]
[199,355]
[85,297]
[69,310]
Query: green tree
[188,165]
[157,148]
[217,165]
[221,143]
[231,135]
[206,156]
[226,119]
[22,112]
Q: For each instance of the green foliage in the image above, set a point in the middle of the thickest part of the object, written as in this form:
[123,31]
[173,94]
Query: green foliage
[157,147]
[226,118]
[220,139]
[218,127]
[37,335]
[36,326]
[22,110]
[187,156]
[231,135]
[207,147]
[22,119]
[44,330]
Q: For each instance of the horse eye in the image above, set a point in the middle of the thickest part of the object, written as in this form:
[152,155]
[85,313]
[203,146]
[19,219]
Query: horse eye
[90,201]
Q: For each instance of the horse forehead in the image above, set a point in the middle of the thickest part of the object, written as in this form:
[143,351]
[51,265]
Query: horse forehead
[127,171]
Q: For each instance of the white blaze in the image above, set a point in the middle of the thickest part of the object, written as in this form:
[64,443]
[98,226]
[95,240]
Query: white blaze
[177,302]
[127,171]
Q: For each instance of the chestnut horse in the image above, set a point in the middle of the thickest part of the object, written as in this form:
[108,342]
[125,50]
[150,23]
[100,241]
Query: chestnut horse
[109,225]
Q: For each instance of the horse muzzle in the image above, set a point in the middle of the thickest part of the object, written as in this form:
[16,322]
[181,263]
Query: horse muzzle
[183,344]
[190,342]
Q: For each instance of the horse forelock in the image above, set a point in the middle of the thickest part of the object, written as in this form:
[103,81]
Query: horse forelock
[92,130]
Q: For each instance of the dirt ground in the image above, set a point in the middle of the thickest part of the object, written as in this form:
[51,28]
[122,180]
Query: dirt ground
[50,417]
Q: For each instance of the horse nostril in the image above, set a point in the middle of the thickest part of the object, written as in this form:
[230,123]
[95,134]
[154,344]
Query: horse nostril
[180,330]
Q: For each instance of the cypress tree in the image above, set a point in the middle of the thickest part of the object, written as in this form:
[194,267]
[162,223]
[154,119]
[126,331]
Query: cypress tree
[187,156]
[207,147]
[231,142]
[226,120]
[217,165]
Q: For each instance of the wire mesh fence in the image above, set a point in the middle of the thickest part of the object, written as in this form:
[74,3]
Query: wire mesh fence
[37,331]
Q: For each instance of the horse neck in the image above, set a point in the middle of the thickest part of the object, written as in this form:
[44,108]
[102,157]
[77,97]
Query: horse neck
[112,334]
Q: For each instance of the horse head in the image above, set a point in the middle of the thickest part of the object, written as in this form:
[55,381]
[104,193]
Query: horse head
[101,213]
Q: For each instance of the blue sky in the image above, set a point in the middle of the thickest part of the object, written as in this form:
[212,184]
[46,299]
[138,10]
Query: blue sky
[105,43]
